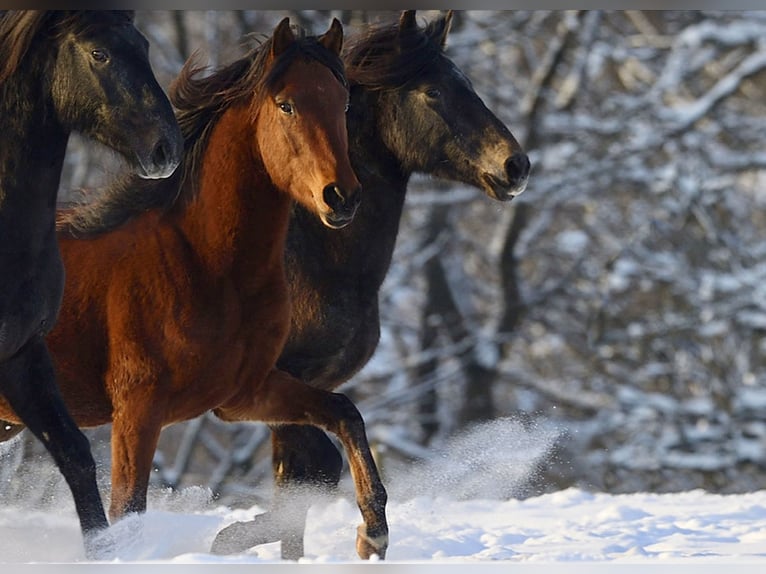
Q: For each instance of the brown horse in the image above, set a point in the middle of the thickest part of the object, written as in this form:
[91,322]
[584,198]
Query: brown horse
[186,309]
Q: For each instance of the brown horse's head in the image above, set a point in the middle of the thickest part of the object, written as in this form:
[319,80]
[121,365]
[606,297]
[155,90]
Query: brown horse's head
[301,126]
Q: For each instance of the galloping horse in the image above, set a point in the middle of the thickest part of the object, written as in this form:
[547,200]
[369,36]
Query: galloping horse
[63,72]
[186,308]
[412,110]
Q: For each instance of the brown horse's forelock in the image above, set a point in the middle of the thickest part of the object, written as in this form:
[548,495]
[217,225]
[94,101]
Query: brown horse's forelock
[19,28]
[199,102]
[371,62]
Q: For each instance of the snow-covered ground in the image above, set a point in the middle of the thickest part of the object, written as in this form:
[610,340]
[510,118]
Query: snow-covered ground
[453,513]
[569,527]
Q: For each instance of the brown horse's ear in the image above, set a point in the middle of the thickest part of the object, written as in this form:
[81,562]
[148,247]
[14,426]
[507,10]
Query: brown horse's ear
[283,36]
[333,38]
[438,30]
[407,21]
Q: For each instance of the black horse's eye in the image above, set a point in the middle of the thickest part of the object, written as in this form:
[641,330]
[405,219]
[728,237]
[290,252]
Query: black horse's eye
[99,56]
[287,108]
[433,93]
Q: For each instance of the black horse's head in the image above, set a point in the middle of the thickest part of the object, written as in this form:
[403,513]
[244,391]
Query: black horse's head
[103,86]
[431,118]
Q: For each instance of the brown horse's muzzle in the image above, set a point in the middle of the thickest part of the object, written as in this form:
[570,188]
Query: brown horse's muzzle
[343,205]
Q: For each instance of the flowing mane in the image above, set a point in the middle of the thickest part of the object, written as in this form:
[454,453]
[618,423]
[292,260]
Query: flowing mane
[19,28]
[199,101]
[388,56]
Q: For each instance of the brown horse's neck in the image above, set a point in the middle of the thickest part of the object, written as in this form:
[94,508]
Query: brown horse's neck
[237,220]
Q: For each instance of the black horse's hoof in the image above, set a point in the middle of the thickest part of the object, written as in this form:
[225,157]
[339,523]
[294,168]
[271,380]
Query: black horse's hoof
[239,537]
[100,545]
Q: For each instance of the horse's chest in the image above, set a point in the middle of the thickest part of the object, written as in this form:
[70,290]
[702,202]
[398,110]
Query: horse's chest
[327,347]
[243,340]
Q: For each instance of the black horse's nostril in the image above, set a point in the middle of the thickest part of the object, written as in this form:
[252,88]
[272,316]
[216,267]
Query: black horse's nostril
[160,155]
[517,167]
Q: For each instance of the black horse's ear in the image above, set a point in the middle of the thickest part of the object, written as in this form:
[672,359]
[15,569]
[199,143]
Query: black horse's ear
[283,36]
[333,38]
[438,30]
[407,21]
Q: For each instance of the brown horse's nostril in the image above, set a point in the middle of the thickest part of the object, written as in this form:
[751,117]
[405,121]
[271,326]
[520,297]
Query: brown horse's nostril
[333,196]
[342,205]
[517,167]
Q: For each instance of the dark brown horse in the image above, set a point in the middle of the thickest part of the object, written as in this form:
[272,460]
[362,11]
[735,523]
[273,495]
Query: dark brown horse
[62,72]
[412,110]
[186,309]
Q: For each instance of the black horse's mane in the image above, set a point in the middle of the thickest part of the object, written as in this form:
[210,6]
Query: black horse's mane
[19,28]
[387,56]
[199,102]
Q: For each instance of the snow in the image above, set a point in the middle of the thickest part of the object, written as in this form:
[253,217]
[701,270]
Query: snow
[565,527]
[453,510]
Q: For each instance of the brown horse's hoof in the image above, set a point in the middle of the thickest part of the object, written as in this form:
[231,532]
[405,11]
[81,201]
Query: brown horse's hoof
[368,545]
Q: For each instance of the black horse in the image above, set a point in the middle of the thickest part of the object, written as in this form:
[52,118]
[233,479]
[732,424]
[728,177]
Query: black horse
[62,72]
[412,110]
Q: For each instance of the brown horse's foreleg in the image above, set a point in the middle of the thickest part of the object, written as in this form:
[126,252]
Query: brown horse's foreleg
[284,399]
[135,432]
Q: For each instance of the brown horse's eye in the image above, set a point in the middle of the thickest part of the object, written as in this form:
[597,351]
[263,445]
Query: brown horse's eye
[99,56]
[286,107]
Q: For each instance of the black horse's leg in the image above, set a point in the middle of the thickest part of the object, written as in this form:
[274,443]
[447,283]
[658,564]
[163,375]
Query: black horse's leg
[27,381]
[302,456]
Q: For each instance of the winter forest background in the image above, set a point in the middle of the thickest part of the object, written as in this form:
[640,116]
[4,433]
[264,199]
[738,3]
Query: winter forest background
[612,316]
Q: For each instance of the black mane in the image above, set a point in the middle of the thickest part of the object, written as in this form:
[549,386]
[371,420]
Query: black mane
[385,56]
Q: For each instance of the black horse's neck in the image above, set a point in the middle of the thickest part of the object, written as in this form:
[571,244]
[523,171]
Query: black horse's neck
[32,148]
